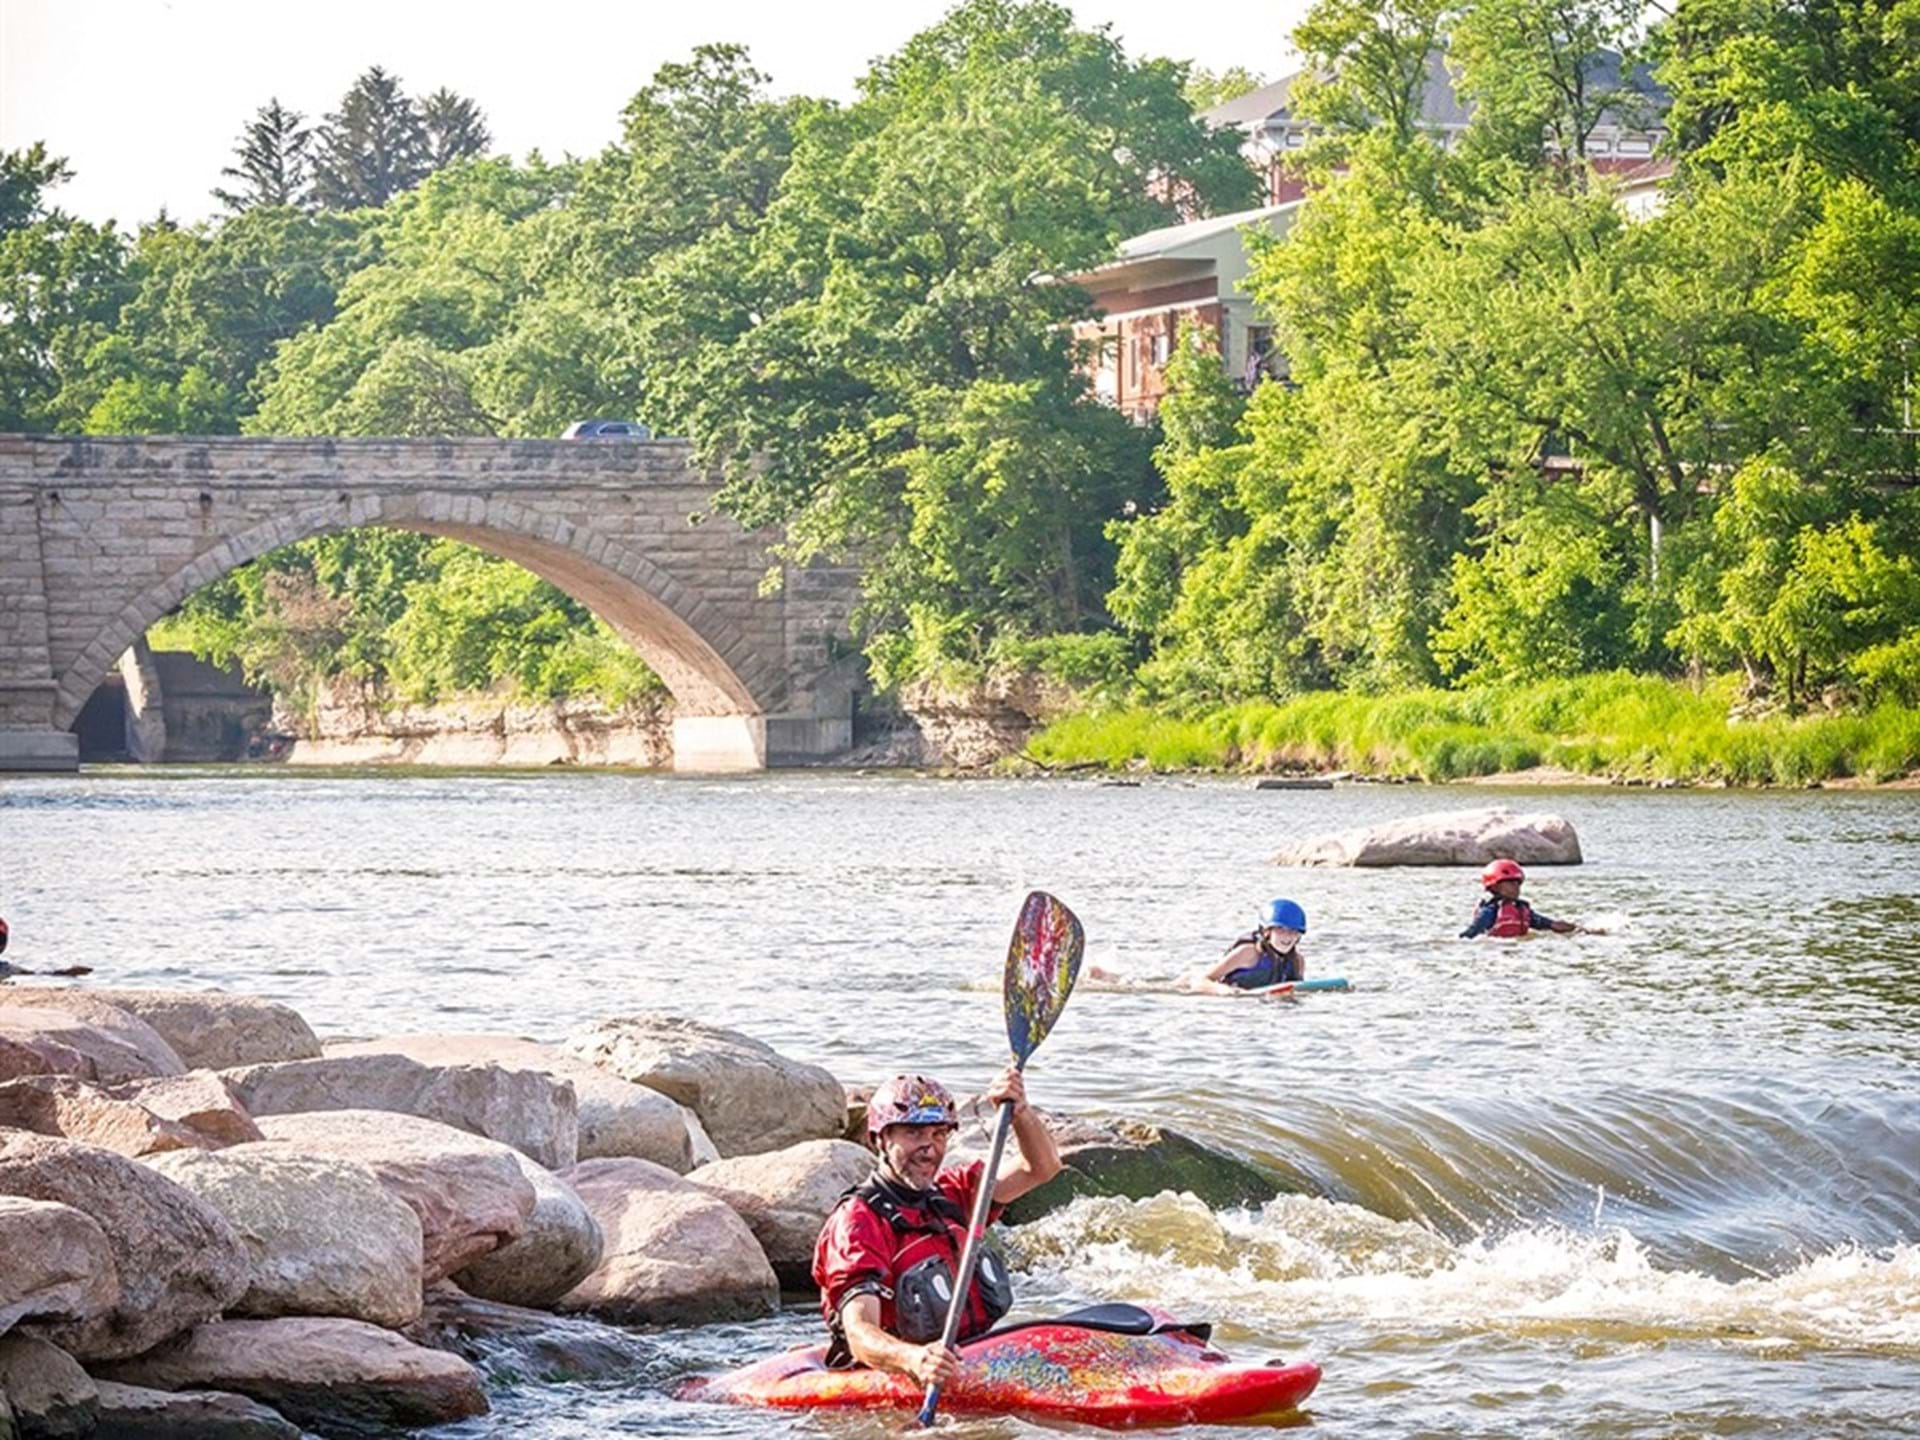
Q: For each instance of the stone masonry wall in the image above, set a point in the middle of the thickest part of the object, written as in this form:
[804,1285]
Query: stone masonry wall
[99,537]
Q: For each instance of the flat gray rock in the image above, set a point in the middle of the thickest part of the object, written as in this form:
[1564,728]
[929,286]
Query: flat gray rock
[1455,837]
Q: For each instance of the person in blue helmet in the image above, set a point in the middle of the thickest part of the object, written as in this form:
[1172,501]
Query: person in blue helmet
[1270,955]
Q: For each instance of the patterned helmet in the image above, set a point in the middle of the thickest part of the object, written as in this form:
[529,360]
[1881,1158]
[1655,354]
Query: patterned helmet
[1501,870]
[910,1100]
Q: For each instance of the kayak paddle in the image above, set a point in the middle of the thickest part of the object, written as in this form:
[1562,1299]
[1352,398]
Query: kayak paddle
[1043,961]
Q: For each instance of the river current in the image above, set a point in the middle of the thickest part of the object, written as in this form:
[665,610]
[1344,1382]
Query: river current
[1663,1182]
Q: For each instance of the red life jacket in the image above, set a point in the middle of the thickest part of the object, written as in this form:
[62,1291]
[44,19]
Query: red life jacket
[931,1231]
[1511,919]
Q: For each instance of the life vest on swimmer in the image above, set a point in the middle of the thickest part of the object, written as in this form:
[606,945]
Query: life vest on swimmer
[931,1231]
[1511,919]
[1267,969]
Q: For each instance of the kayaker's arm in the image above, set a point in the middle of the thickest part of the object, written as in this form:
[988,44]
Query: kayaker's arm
[1213,980]
[1039,1158]
[874,1347]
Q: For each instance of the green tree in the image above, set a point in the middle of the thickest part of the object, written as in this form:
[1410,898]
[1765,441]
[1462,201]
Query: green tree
[372,148]
[273,165]
[455,129]
[61,280]
[859,360]
[1206,88]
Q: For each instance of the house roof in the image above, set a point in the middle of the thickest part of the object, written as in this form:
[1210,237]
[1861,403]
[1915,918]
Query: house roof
[1170,241]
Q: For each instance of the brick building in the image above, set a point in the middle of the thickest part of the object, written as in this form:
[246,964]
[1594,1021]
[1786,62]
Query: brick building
[1190,271]
[1194,270]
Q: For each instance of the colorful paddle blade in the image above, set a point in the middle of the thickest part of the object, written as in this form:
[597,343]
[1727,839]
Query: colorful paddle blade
[1043,961]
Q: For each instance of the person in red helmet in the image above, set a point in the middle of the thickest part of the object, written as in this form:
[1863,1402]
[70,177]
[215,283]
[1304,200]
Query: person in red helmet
[1503,914]
[886,1257]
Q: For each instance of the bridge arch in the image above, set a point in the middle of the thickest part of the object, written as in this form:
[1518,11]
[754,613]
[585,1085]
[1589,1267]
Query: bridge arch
[102,535]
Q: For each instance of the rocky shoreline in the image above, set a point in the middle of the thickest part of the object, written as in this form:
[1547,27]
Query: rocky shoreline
[214,1224]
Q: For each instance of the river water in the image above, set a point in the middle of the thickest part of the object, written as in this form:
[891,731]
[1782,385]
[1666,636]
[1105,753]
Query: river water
[1663,1182]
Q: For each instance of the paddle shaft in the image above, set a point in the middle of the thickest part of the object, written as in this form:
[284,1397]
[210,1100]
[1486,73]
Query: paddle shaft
[970,1254]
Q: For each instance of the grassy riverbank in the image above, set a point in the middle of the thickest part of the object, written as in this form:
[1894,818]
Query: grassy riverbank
[1616,725]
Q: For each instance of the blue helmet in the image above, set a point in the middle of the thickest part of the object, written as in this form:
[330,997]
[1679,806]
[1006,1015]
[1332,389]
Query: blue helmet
[1284,913]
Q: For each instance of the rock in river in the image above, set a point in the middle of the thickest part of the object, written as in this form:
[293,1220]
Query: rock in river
[1119,1157]
[334,1377]
[178,1261]
[55,1263]
[531,1111]
[131,1412]
[560,1247]
[51,1396]
[115,1045]
[1455,837]
[674,1254]
[749,1097]
[617,1117]
[212,1030]
[785,1197]
[325,1237]
[468,1192]
[74,1109]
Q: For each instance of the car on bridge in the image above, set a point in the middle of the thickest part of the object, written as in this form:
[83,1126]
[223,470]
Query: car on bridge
[607,430]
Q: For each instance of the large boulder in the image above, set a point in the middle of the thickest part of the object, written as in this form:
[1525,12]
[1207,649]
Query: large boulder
[31,1043]
[532,1112]
[749,1097]
[324,1236]
[1129,1158]
[468,1192]
[74,1109]
[786,1196]
[197,1100]
[178,1261]
[120,1044]
[517,1345]
[617,1117]
[673,1255]
[334,1377]
[55,1264]
[132,1412]
[209,1029]
[51,1396]
[1454,837]
[559,1248]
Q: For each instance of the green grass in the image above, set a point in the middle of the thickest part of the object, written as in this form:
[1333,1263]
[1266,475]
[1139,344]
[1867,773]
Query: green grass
[1632,726]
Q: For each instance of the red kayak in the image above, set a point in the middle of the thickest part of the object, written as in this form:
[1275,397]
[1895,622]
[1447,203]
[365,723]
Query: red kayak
[1114,1365]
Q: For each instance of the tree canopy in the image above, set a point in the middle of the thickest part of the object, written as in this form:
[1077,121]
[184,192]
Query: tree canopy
[1521,431]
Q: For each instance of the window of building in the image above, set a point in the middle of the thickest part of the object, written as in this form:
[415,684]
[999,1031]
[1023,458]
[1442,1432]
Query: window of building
[1162,349]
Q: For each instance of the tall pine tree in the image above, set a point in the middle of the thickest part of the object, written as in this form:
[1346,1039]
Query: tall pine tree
[273,166]
[372,148]
[456,129]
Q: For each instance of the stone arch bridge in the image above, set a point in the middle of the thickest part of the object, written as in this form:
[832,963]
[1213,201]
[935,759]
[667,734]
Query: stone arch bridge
[101,536]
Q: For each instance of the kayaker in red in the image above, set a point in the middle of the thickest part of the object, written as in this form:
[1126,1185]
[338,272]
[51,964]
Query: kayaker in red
[886,1258]
[1503,914]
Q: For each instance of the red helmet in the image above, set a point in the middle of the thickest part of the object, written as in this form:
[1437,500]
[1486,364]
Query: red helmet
[910,1100]
[3,936]
[1501,870]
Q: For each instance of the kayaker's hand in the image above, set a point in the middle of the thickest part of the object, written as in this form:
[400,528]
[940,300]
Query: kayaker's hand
[935,1364]
[1009,1084]
[1566,927]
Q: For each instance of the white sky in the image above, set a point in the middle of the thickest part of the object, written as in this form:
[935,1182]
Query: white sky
[146,98]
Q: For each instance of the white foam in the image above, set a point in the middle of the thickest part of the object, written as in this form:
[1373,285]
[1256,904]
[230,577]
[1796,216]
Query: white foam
[1301,1261]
